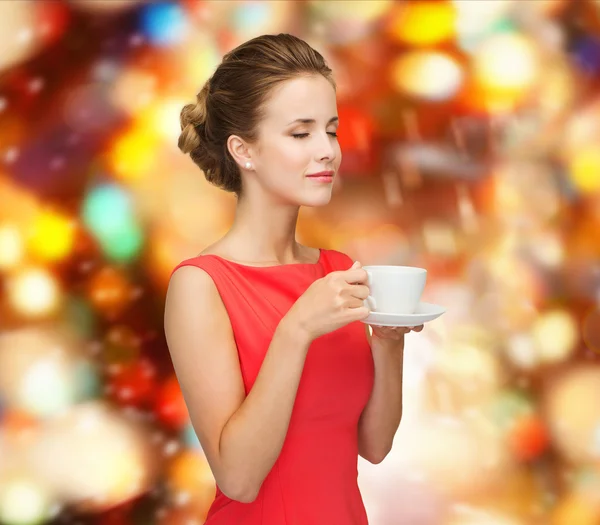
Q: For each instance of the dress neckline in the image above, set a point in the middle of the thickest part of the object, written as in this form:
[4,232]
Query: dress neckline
[289,265]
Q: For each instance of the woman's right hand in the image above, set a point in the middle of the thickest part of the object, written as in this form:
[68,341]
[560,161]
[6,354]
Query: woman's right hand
[331,302]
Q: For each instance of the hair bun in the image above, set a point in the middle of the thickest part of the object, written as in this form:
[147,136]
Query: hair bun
[189,139]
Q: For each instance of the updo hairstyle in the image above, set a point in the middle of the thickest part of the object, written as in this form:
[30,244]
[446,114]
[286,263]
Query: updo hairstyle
[231,101]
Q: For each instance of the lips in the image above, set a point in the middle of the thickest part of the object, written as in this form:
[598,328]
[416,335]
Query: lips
[322,174]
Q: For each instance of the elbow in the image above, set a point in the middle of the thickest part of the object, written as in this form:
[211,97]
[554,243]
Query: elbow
[241,497]
[236,491]
[375,456]
[375,459]
[247,496]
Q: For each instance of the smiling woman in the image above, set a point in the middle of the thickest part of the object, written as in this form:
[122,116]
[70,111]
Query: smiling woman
[264,333]
[250,108]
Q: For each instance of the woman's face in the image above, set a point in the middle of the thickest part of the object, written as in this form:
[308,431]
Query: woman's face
[297,138]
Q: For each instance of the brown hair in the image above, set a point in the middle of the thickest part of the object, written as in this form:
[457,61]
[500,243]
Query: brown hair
[231,101]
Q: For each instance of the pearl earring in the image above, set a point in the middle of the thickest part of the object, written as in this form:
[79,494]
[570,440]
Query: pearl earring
[248,165]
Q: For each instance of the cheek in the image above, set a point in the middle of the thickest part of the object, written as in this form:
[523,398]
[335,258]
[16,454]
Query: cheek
[287,154]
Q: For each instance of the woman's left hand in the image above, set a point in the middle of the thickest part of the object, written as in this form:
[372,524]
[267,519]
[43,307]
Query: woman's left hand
[394,333]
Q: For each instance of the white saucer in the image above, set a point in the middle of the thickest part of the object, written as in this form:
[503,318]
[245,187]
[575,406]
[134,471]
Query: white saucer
[425,312]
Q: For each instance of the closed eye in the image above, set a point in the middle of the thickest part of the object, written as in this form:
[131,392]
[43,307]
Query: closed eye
[303,135]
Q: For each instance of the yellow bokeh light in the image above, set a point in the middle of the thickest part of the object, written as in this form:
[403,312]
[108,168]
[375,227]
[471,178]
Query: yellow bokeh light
[52,236]
[572,413]
[23,500]
[163,119]
[426,74]
[555,334]
[423,23]
[34,292]
[504,68]
[125,475]
[11,246]
[189,472]
[585,169]
[134,154]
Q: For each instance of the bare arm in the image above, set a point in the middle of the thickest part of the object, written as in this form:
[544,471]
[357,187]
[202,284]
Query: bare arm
[241,436]
[381,416]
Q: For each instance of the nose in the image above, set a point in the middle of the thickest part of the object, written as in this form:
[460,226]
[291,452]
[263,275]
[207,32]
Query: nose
[326,148]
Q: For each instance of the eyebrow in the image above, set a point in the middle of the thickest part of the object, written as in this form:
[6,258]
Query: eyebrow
[312,120]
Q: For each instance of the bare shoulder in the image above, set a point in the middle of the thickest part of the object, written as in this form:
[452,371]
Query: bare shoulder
[187,276]
[192,289]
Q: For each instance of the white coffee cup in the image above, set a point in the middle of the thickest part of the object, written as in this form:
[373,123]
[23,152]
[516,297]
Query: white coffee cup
[395,289]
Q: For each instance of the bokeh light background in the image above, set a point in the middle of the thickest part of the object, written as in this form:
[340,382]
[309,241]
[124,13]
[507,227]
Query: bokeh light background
[471,140]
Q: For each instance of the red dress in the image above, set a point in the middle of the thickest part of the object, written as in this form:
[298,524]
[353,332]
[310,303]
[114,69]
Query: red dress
[314,480]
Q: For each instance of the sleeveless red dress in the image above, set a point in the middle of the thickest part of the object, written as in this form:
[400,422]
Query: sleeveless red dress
[314,480]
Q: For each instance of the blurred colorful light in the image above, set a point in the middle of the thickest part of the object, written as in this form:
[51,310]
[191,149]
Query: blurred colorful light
[556,335]
[197,63]
[123,245]
[106,208]
[11,246]
[19,37]
[429,75]
[34,292]
[23,502]
[585,169]
[162,120]
[189,473]
[37,374]
[52,236]
[94,457]
[249,16]
[108,212]
[477,20]
[163,23]
[133,90]
[423,23]
[574,430]
[506,61]
[46,388]
[133,154]
[169,404]
[109,290]
[505,67]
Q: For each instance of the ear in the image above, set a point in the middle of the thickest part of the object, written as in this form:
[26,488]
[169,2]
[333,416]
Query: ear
[239,150]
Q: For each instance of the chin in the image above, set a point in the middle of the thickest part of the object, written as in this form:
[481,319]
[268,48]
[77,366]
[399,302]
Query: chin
[318,198]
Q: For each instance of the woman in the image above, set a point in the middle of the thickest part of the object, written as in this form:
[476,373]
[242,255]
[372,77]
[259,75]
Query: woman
[283,384]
